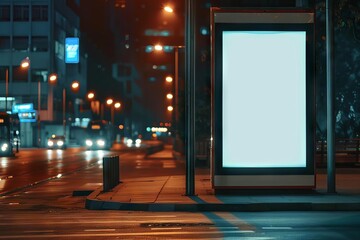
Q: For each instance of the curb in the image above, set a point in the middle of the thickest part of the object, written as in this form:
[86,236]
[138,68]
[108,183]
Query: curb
[92,203]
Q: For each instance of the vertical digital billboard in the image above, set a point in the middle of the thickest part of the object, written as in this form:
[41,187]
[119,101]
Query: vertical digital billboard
[263,99]
[72,50]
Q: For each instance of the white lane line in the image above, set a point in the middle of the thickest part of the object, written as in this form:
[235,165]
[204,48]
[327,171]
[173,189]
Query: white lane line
[100,230]
[277,228]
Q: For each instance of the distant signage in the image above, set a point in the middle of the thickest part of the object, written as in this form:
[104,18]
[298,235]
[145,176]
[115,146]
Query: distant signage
[25,111]
[27,116]
[71,50]
[23,107]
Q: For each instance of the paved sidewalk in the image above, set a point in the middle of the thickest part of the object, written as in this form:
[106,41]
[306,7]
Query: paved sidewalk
[166,193]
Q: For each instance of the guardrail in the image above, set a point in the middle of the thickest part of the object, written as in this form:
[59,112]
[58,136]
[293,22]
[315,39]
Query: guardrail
[111,172]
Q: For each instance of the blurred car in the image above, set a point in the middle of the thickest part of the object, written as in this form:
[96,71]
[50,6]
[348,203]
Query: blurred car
[56,142]
[97,144]
[132,143]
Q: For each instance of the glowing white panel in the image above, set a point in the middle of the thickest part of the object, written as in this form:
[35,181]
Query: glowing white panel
[264,99]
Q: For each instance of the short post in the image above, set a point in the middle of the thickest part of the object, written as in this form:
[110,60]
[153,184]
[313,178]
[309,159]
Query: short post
[111,171]
[357,150]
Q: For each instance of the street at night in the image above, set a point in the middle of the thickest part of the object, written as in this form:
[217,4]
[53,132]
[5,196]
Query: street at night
[180,119]
[49,210]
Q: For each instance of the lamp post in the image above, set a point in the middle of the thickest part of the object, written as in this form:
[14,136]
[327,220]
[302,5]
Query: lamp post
[74,87]
[6,87]
[116,105]
[159,47]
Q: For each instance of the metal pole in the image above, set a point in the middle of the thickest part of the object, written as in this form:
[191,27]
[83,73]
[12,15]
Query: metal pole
[101,111]
[176,92]
[112,114]
[64,111]
[190,98]
[330,98]
[6,87]
[39,110]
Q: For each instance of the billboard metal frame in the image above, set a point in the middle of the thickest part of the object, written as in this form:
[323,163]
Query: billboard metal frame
[261,20]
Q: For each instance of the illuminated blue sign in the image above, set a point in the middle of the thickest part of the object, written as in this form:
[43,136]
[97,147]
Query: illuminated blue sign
[25,111]
[26,107]
[71,50]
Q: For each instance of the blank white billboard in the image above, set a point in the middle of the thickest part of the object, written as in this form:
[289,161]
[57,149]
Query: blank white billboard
[264,99]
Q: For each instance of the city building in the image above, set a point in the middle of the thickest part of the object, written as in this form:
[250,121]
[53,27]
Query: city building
[36,30]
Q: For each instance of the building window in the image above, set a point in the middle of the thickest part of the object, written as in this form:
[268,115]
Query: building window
[4,43]
[20,74]
[4,13]
[21,13]
[39,44]
[40,13]
[39,75]
[59,50]
[21,44]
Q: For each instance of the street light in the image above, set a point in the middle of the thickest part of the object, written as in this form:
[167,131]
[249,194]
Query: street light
[91,95]
[6,87]
[169,96]
[169,79]
[52,78]
[168,9]
[75,86]
[25,63]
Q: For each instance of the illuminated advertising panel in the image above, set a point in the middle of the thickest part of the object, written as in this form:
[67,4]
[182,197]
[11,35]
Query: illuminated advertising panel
[72,50]
[263,116]
[264,86]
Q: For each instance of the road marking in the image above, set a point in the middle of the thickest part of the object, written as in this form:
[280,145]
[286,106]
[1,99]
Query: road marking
[277,228]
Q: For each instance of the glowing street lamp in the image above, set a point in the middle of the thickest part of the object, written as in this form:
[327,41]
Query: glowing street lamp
[169,79]
[75,85]
[52,78]
[170,108]
[109,101]
[91,95]
[117,105]
[168,9]
[25,63]
[158,47]
[169,96]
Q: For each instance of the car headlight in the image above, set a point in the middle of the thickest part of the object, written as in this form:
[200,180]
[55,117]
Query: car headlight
[88,142]
[129,142]
[4,147]
[100,142]
[60,143]
[50,143]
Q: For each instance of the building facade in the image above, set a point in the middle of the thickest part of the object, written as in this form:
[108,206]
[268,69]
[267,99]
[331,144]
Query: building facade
[36,29]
